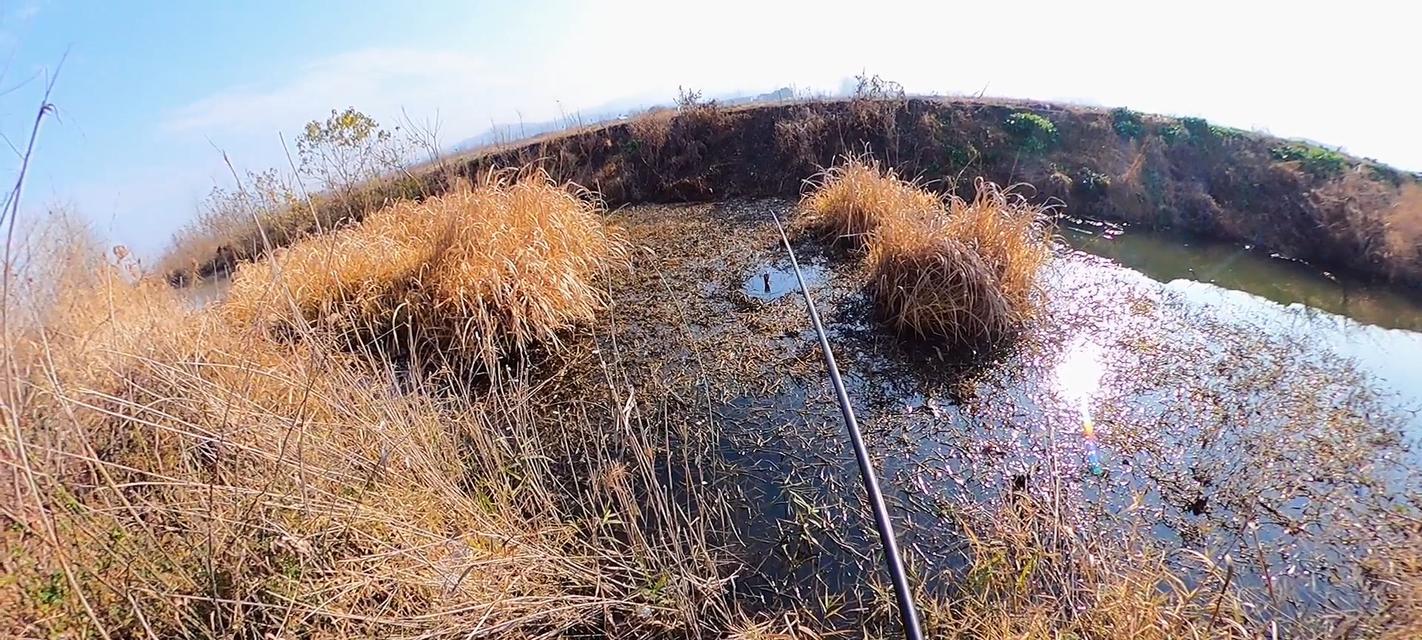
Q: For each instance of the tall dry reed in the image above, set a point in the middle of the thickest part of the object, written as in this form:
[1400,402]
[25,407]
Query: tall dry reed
[171,473]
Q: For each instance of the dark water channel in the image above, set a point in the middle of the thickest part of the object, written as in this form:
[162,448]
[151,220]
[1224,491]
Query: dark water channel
[1231,406]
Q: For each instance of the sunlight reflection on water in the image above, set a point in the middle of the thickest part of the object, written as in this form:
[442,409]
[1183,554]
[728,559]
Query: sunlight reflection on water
[1078,379]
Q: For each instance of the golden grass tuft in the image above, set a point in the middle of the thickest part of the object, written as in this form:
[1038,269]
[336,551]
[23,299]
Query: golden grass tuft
[931,285]
[963,272]
[965,275]
[851,199]
[477,273]
[1012,236]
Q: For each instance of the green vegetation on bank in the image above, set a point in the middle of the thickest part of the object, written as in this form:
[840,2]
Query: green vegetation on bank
[1127,123]
[1033,132]
[1316,160]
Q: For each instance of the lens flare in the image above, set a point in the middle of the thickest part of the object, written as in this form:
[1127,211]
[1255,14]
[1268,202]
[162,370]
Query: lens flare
[1078,378]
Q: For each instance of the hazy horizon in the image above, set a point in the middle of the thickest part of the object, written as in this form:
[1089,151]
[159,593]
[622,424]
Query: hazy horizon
[148,95]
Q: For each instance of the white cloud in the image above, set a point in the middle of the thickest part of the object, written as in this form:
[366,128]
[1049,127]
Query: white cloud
[377,81]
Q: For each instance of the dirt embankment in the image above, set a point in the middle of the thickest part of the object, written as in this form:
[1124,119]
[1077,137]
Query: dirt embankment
[1181,173]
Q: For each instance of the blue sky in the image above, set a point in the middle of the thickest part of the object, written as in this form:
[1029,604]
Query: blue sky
[150,91]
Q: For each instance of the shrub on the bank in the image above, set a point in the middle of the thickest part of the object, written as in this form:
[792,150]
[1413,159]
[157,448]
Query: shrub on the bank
[1315,160]
[1033,133]
[1127,123]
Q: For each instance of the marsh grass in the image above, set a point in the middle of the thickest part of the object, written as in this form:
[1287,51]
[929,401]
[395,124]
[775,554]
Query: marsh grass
[470,276]
[848,201]
[1031,576]
[962,272]
[171,473]
[1397,568]
[1013,237]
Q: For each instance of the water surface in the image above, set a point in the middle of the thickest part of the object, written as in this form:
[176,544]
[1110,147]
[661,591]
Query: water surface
[1166,258]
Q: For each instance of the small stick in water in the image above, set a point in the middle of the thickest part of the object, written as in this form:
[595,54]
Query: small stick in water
[1229,575]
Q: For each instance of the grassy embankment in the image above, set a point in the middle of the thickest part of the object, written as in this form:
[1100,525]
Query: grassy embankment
[1311,203]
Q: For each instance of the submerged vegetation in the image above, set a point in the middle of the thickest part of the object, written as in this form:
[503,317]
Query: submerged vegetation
[1034,577]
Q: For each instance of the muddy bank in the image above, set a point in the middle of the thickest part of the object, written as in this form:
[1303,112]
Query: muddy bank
[1180,173]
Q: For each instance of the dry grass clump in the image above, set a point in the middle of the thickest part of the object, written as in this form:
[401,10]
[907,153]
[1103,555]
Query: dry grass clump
[851,199]
[1404,233]
[930,284]
[1397,570]
[652,128]
[1012,237]
[959,271]
[798,138]
[475,273]
[167,473]
[784,626]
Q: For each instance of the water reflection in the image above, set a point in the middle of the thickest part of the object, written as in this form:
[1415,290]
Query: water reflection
[773,280]
[1078,378]
[1389,355]
[1167,258]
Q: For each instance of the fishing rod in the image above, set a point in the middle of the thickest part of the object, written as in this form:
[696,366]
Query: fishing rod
[907,613]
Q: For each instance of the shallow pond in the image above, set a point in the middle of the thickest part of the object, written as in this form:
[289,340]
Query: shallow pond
[1234,406]
[1376,326]
[1166,258]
